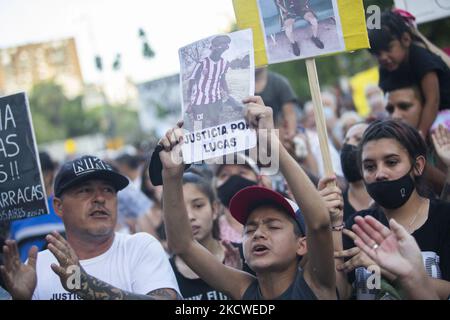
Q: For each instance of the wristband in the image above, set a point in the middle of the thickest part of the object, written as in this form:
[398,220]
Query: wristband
[338,227]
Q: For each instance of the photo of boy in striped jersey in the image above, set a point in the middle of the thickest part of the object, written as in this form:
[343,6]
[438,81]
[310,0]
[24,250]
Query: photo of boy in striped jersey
[207,89]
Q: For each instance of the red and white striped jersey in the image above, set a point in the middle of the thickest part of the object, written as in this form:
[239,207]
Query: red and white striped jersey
[207,88]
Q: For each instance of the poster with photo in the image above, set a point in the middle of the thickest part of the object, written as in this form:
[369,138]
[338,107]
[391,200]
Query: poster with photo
[217,73]
[299,29]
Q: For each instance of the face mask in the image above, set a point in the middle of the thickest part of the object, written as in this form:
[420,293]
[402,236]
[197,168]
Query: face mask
[392,194]
[233,185]
[350,169]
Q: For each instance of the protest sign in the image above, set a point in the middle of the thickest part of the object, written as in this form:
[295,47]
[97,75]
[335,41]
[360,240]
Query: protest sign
[22,193]
[339,25]
[217,73]
[286,30]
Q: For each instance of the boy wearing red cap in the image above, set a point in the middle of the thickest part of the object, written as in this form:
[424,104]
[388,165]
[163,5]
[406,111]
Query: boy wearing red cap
[274,237]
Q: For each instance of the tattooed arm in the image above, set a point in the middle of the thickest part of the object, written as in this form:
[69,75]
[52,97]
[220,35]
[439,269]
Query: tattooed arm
[76,280]
[94,289]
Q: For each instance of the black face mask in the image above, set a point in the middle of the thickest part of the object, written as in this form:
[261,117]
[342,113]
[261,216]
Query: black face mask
[392,194]
[349,165]
[233,185]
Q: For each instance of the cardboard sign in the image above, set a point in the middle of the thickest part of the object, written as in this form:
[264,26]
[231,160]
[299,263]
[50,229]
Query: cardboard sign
[22,193]
[286,30]
[217,73]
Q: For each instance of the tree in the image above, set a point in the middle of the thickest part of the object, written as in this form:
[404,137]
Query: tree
[193,54]
[147,50]
[47,99]
[55,117]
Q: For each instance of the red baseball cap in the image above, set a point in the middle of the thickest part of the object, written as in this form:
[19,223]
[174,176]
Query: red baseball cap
[246,200]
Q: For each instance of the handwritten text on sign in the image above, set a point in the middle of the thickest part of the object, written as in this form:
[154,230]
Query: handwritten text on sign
[217,141]
[21,188]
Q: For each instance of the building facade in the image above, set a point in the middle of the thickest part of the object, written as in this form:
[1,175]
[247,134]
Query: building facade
[24,66]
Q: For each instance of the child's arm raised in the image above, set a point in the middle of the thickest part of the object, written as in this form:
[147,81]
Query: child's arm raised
[178,229]
[319,271]
[430,88]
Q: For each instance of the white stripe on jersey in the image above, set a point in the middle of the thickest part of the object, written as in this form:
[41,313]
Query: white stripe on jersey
[207,88]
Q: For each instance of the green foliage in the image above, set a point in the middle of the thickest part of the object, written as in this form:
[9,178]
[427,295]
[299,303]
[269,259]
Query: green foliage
[48,99]
[44,130]
[55,117]
[147,51]
[434,31]
[126,122]
[117,64]
[161,111]
[98,63]
[115,121]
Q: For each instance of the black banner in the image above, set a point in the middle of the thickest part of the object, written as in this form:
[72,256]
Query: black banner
[22,193]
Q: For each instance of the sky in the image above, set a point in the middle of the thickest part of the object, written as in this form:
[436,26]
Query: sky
[107,27]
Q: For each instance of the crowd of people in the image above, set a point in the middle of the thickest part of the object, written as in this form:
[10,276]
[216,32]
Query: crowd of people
[378,228]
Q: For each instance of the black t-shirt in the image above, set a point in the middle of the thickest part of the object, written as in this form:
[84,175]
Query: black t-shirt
[432,237]
[348,208]
[421,61]
[277,92]
[298,290]
[196,289]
